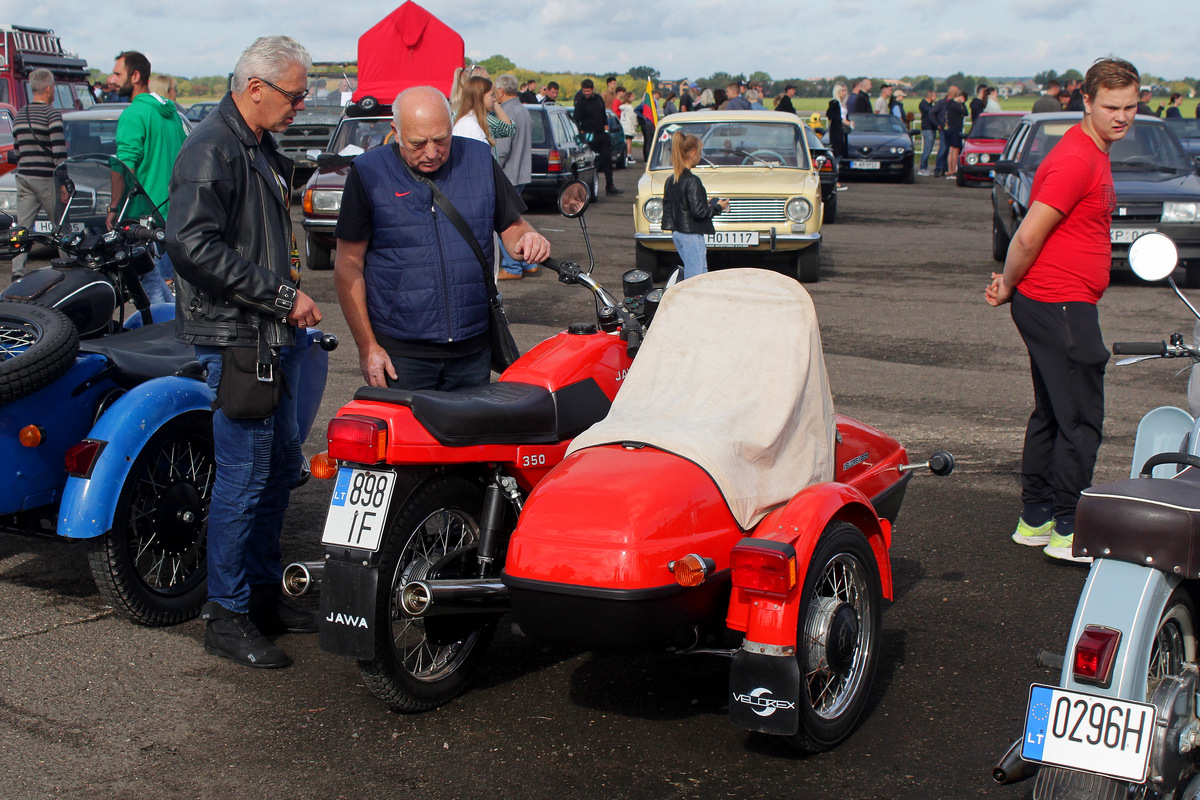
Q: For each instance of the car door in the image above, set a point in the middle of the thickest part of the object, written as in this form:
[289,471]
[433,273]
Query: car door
[570,141]
[1005,187]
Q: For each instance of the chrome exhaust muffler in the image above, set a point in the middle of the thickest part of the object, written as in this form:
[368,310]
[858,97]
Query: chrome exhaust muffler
[453,596]
[1011,768]
[302,577]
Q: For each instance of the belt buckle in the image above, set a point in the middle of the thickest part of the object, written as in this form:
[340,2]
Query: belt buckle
[266,373]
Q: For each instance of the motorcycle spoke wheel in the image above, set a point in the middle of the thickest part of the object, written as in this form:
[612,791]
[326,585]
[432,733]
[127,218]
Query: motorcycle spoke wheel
[1174,641]
[838,637]
[37,346]
[422,663]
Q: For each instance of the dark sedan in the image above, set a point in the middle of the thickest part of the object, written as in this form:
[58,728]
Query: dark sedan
[880,144]
[1156,184]
[559,153]
[1188,131]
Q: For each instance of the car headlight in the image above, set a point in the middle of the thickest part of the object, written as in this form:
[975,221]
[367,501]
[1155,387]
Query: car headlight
[896,151]
[8,202]
[798,209]
[653,208]
[1174,212]
[323,201]
[985,158]
[972,159]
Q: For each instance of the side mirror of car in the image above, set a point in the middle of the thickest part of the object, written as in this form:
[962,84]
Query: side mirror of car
[331,162]
[1005,167]
[819,162]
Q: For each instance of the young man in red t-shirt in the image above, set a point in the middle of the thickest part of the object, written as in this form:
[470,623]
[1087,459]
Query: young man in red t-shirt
[1057,269]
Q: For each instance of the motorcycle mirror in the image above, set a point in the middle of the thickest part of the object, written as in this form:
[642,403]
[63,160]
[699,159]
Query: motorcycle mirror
[6,220]
[573,199]
[1153,256]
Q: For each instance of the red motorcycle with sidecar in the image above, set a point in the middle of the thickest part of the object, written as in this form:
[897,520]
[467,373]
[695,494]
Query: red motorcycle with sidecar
[703,497]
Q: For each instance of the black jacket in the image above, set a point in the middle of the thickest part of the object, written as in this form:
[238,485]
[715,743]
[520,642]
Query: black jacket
[686,208]
[590,114]
[229,233]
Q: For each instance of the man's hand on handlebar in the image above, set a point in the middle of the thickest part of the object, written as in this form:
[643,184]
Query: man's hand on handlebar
[532,248]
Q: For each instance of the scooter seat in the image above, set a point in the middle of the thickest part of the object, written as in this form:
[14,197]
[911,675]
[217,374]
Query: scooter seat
[505,412]
[138,355]
[1153,522]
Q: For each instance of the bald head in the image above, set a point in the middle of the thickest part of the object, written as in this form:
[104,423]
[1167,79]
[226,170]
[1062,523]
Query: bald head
[423,127]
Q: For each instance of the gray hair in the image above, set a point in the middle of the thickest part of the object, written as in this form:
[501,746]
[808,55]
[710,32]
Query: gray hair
[269,58]
[400,97]
[836,86]
[507,84]
[40,79]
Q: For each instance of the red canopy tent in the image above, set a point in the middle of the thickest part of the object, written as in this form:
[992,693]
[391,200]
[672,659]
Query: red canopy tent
[408,47]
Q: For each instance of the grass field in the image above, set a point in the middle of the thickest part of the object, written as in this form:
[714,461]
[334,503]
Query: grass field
[820,104]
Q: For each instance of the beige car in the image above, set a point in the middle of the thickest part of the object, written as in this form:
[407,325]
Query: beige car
[760,162]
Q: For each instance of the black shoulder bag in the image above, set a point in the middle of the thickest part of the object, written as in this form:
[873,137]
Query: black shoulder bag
[504,346]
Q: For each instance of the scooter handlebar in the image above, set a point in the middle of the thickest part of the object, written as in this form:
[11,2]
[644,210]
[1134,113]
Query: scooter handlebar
[1139,348]
[144,234]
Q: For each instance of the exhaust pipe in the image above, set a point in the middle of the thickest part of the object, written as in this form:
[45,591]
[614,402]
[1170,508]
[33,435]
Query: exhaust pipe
[302,577]
[453,596]
[1011,768]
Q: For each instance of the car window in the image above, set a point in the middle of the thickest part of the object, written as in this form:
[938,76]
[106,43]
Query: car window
[568,133]
[877,123]
[83,96]
[1042,141]
[1148,146]
[90,136]
[538,134]
[1012,150]
[367,133]
[999,126]
[1184,128]
[64,97]
[736,144]
[6,126]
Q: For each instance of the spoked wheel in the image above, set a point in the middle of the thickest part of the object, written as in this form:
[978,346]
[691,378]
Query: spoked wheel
[422,663]
[152,566]
[1174,643]
[37,346]
[838,637]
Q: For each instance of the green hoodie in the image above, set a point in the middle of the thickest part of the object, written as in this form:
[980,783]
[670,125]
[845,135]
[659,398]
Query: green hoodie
[149,135]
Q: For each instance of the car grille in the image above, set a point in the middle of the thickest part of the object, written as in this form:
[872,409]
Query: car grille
[754,210]
[305,137]
[1137,212]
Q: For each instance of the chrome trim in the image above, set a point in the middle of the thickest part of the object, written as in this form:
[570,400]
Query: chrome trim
[768,649]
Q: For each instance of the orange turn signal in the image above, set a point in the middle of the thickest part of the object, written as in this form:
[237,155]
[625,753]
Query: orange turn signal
[323,467]
[31,435]
[691,570]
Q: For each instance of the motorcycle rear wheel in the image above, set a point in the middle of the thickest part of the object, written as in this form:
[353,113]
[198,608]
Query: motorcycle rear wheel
[838,637]
[421,664]
[1174,642]
[37,347]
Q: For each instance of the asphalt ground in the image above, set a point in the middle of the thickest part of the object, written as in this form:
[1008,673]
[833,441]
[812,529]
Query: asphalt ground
[92,706]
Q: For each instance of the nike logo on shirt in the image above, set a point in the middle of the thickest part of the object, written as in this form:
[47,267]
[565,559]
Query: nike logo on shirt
[398,194]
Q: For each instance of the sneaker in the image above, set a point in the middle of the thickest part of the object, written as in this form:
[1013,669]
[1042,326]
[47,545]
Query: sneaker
[271,613]
[924,173]
[1030,536]
[1060,548]
[614,190]
[951,176]
[509,276]
[234,636]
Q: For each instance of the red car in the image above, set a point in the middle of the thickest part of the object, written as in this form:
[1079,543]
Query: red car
[7,113]
[981,149]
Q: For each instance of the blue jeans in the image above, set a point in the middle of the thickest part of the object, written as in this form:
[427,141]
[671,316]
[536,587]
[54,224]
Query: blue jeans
[507,262]
[156,288]
[258,464]
[442,374]
[927,138]
[692,250]
[943,156]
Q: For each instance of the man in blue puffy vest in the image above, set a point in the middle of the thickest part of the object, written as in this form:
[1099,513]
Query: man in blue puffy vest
[409,283]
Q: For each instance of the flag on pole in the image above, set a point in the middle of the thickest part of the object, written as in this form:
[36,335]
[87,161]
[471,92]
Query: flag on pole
[648,101]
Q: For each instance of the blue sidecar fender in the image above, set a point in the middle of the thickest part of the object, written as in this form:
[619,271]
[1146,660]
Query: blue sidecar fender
[89,504]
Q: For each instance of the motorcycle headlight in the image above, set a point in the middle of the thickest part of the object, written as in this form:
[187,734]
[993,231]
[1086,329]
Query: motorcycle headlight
[652,208]
[798,209]
[1180,212]
[972,159]
[326,201]
[8,202]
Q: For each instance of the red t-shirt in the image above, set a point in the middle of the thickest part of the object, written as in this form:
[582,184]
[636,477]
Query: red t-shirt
[1075,261]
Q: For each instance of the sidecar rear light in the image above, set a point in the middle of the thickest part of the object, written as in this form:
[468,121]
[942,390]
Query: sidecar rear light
[763,566]
[362,440]
[81,457]
[31,435]
[323,467]
[1095,654]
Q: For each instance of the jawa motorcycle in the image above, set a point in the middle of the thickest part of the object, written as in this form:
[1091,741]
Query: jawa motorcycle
[105,420]
[1122,721]
[714,496]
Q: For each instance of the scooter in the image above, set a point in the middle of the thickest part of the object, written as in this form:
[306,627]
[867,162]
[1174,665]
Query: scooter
[719,506]
[1122,720]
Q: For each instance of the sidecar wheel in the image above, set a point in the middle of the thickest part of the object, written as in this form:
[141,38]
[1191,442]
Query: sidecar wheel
[1174,643]
[37,347]
[423,663]
[838,637]
[152,566]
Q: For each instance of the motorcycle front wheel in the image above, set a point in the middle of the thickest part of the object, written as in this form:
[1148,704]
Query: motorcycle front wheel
[838,637]
[422,663]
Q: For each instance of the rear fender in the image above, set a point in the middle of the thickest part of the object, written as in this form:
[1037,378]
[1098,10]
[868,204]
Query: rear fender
[89,504]
[800,523]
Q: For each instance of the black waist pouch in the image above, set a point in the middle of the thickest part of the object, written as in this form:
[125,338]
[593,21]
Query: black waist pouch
[240,393]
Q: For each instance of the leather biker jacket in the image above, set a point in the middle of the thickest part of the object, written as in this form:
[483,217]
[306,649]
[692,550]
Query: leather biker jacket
[686,208]
[229,235]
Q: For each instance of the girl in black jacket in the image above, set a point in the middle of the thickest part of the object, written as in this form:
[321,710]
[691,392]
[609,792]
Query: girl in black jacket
[687,211]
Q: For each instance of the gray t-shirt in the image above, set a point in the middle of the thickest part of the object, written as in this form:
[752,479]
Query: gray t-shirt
[515,153]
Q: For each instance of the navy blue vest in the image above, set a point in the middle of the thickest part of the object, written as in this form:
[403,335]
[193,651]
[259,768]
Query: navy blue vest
[423,282]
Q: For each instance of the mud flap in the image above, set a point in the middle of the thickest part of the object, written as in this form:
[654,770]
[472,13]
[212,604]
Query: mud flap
[764,691]
[348,609]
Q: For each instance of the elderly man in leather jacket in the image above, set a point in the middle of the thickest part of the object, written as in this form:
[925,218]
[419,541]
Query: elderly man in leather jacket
[237,303]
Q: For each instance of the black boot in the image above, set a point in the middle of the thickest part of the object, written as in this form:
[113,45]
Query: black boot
[272,614]
[234,636]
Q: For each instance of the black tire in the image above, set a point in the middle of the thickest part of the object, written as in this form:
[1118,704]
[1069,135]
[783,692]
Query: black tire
[37,347]
[417,665]
[152,566]
[959,180]
[1174,642]
[594,189]
[910,174]
[316,255]
[808,264]
[841,603]
[831,205]
[999,240]
[622,160]
[1191,276]
[653,262]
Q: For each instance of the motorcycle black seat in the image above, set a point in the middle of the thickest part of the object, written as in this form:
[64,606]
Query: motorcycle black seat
[1149,521]
[138,355]
[505,412]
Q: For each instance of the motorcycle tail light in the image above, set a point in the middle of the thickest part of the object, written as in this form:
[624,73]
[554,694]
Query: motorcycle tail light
[1095,654]
[554,162]
[31,436]
[691,570]
[323,467]
[81,457]
[763,566]
[362,440]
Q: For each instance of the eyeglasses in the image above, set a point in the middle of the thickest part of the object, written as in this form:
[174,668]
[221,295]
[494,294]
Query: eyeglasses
[295,99]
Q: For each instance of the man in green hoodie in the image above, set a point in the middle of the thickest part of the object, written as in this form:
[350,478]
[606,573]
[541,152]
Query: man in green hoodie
[149,135]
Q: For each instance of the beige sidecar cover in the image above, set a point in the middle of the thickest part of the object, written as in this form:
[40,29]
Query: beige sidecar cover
[731,377]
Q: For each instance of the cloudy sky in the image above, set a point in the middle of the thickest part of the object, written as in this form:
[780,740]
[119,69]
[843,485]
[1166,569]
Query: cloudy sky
[791,38]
